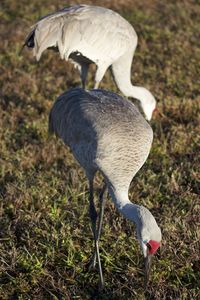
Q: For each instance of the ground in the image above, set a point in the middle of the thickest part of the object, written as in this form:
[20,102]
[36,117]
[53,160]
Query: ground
[45,236]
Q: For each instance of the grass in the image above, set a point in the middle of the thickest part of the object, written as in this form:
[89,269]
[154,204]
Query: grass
[45,237]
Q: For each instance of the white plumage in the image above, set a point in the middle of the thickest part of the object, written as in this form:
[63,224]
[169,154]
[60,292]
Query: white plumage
[91,34]
[107,133]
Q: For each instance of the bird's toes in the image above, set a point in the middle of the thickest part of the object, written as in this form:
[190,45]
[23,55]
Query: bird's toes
[101,286]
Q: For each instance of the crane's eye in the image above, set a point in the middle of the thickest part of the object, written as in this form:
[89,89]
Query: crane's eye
[149,247]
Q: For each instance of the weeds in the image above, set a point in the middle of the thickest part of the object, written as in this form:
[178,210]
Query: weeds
[45,237]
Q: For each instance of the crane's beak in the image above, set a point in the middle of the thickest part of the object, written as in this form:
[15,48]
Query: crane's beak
[147,263]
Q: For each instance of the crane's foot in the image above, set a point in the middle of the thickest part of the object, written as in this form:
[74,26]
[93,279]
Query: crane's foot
[101,285]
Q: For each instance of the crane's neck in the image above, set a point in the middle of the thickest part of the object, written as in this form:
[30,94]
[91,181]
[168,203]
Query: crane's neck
[124,205]
[146,226]
[121,71]
[130,90]
[122,75]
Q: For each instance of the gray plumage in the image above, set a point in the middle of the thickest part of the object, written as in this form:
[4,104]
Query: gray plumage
[91,34]
[107,133]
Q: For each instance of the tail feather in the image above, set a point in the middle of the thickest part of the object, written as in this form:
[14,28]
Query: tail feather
[121,72]
[29,42]
[44,35]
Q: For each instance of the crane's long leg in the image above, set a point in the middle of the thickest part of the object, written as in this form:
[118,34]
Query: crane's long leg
[93,216]
[102,199]
[83,74]
[99,75]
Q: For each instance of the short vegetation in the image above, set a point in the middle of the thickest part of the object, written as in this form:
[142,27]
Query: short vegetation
[45,231]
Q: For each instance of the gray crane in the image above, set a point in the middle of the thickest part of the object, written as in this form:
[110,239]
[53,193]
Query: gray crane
[107,133]
[91,34]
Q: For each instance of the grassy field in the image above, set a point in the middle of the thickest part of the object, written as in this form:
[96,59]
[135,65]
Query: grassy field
[45,235]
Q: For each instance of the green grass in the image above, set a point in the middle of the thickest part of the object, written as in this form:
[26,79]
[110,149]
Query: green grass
[45,236]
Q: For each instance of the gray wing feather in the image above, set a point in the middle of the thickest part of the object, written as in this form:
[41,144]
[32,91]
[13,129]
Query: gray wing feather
[104,131]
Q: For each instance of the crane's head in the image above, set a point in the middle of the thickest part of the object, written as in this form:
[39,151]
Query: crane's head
[148,103]
[149,236]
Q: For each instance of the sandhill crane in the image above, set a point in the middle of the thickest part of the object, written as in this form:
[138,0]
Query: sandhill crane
[91,34]
[107,133]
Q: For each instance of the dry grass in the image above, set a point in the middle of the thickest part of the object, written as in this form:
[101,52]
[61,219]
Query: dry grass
[45,237]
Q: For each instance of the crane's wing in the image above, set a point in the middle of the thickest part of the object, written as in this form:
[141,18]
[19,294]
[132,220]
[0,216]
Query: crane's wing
[93,31]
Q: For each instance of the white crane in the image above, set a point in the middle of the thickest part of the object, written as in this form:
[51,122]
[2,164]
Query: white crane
[91,34]
[107,133]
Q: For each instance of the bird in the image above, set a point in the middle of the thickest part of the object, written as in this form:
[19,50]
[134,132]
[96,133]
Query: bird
[107,133]
[86,34]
